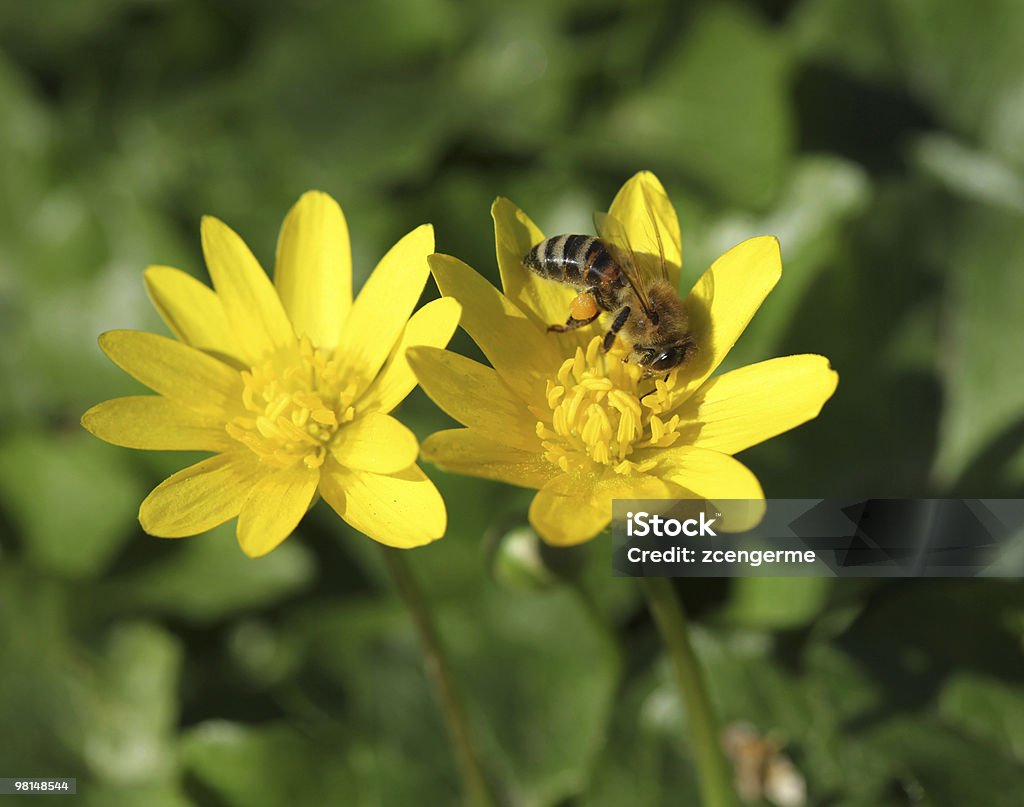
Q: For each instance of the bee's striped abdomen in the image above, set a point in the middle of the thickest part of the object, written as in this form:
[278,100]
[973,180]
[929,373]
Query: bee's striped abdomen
[582,261]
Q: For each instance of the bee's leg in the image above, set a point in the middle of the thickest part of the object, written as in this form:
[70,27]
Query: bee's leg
[620,320]
[572,324]
[582,311]
[653,389]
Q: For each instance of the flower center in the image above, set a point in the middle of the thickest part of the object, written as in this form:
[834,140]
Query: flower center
[293,408]
[598,416]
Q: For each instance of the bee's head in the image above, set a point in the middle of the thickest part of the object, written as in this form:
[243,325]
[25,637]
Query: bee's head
[664,359]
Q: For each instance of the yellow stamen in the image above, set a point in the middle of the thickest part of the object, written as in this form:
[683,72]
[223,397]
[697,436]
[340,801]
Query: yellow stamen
[294,407]
[598,416]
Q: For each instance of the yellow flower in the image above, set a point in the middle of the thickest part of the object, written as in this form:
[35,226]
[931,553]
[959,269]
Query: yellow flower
[288,383]
[555,413]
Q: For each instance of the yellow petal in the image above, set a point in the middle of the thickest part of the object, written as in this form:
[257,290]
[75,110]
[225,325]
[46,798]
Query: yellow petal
[544,301]
[313,274]
[571,509]
[179,372]
[384,306]
[402,510]
[192,311]
[375,442]
[748,406]
[719,478]
[523,355]
[201,496]
[433,326]
[724,300]
[642,193]
[474,395]
[468,452]
[156,423]
[617,486]
[562,514]
[253,308]
[274,508]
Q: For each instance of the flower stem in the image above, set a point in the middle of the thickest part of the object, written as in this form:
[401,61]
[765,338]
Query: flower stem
[716,786]
[474,782]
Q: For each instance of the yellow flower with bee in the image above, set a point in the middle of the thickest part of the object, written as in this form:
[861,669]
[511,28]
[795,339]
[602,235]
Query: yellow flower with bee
[586,418]
[288,383]
[645,309]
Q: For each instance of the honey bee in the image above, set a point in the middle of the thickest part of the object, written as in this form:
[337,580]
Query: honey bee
[645,307]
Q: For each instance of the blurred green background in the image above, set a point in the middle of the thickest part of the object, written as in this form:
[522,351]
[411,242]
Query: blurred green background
[882,141]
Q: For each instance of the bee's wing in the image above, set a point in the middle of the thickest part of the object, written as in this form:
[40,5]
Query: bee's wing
[656,228]
[610,229]
[644,208]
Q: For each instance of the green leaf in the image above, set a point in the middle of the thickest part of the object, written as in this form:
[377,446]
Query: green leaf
[647,760]
[974,175]
[810,712]
[267,766]
[72,276]
[850,34]
[99,707]
[717,111]
[945,769]
[539,704]
[73,498]
[776,602]
[984,400]
[986,708]
[949,44]
[937,50]
[904,634]
[207,577]
[547,699]
[385,33]
[128,705]
[25,137]
[152,794]
[35,668]
[500,69]
[812,219]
